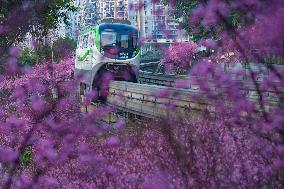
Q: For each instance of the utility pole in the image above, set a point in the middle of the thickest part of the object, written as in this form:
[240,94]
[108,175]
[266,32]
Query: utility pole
[54,88]
[141,17]
[115,9]
[138,17]
[52,55]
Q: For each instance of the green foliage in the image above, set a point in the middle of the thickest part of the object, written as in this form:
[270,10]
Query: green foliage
[28,57]
[36,17]
[184,9]
[197,31]
[63,47]
[44,52]
[6,168]
[26,156]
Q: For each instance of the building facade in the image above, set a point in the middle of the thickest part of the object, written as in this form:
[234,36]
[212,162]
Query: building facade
[75,18]
[152,19]
[157,22]
[91,12]
[113,9]
[87,14]
[122,9]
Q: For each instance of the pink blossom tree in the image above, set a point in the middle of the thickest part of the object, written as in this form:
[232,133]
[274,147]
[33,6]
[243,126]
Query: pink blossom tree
[47,142]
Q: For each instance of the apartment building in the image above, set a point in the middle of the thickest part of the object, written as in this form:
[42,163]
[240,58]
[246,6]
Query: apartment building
[91,12]
[113,9]
[85,15]
[76,19]
[122,9]
[157,22]
[152,19]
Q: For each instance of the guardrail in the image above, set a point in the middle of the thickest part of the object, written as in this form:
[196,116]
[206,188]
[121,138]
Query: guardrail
[149,64]
[158,79]
[169,80]
[142,99]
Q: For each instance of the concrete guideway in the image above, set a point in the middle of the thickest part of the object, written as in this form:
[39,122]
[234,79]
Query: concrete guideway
[142,99]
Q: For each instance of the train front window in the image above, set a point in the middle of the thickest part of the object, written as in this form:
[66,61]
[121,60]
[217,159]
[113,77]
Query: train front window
[108,39]
[124,41]
[134,40]
[118,43]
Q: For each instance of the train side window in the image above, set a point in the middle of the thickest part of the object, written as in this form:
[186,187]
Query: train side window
[85,41]
[134,39]
[124,41]
[91,40]
[79,42]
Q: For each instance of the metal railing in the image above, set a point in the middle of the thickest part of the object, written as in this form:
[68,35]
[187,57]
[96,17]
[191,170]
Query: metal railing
[149,64]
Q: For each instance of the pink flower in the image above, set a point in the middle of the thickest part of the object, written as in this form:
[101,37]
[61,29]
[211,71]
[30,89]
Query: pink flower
[112,141]
[14,51]
[7,155]
[38,104]
[158,180]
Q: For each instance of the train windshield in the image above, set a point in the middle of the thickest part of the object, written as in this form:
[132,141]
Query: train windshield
[119,43]
[108,39]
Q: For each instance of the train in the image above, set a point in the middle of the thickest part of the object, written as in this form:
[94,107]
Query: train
[109,48]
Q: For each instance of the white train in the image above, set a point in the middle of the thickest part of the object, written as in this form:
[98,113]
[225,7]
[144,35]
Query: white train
[110,47]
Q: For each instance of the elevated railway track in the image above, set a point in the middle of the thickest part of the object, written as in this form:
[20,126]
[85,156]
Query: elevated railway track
[141,99]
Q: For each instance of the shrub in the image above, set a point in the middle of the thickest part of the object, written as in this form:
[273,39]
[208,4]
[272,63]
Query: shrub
[63,47]
[28,57]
